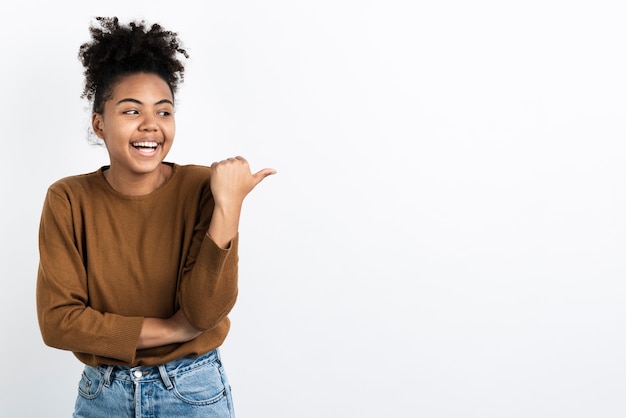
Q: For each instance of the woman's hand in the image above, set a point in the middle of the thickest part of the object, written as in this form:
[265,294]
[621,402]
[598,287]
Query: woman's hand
[156,332]
[231,181]
[181,328]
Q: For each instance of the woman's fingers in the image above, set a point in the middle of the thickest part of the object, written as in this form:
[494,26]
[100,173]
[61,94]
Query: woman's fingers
[232,180]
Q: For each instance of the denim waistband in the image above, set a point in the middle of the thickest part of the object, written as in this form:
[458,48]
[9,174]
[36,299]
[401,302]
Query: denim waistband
[164,372]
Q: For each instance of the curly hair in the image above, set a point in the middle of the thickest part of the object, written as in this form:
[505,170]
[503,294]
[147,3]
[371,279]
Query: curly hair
[117,50]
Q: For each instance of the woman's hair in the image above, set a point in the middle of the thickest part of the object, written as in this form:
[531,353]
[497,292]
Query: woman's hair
[117,50]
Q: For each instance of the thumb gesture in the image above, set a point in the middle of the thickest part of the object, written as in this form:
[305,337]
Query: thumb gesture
[232,180]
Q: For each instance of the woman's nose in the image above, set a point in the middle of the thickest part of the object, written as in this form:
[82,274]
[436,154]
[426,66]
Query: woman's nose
[148,123]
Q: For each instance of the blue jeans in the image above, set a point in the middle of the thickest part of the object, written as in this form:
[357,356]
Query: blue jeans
[187,387]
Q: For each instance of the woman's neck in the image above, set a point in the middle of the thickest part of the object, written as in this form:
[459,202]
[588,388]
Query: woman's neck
[138,184]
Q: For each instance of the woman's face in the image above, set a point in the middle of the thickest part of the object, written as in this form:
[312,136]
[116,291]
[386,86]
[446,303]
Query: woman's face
[137,125]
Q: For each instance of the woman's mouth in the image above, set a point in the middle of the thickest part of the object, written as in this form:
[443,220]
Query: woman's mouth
[145,147]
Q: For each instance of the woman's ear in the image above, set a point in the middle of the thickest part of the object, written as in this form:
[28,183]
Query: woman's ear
[98,125]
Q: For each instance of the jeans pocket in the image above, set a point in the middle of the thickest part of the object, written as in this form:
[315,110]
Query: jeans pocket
[91,382]
[200,386]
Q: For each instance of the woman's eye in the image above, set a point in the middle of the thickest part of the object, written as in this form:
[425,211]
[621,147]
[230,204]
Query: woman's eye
[131,112]
[164,113]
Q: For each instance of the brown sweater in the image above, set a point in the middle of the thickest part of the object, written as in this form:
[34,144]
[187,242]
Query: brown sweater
[108,260]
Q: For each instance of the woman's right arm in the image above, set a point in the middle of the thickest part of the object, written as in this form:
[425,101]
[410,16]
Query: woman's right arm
[65,318]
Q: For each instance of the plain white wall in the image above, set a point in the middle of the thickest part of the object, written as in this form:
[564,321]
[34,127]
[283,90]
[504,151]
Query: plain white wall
[446,233]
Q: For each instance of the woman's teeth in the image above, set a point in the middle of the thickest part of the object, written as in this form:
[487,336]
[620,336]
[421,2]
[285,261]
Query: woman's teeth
[150,145]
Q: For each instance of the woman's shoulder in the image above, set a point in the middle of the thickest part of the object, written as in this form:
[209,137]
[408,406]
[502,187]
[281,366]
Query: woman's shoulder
[189,179]
[77,182]
[193,169]
[192,172]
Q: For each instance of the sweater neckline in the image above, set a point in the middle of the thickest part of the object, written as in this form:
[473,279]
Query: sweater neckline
[155,192]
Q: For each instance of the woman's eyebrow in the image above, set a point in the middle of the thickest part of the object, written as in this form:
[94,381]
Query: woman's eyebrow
[129,99]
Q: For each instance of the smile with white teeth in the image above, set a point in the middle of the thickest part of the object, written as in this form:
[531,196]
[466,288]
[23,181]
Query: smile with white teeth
[147,148]
[150,145]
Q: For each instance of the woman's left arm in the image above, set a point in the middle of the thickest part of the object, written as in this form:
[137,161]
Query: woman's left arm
[209,289]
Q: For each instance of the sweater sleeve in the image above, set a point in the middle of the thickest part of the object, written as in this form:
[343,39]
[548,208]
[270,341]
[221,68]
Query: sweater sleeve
[208,289]
[65,318]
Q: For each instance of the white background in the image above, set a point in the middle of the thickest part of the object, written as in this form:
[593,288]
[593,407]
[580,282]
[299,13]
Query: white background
[446,233]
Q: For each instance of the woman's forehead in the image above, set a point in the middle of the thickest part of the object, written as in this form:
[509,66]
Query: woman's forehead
[150,87]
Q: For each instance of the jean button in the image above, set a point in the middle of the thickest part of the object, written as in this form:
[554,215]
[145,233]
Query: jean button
[137,373]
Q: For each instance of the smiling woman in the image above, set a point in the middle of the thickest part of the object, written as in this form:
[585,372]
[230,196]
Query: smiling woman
[139,259]
[138,132]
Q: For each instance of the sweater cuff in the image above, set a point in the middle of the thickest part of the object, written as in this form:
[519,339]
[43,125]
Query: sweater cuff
[213,258]
[126,336]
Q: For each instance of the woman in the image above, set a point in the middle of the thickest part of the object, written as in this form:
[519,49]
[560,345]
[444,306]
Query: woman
[138,260]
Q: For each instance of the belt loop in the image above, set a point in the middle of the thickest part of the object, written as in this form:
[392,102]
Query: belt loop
[165,378]
[107,376]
